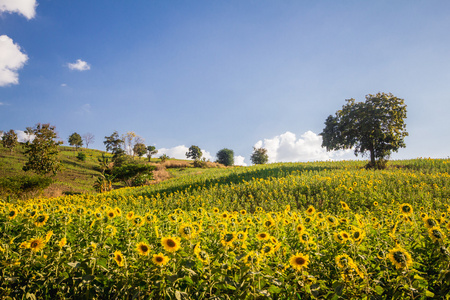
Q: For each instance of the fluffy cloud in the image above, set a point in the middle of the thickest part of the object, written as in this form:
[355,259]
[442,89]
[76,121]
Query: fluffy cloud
[11,60]
[23,137]
[79,65]
[27,8]
[239,161]
[179,152]
[287,148]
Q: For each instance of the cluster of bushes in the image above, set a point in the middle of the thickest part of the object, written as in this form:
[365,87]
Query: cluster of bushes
[20,186]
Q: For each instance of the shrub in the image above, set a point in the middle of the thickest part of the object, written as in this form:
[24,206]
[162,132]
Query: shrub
[81,156]
[20,185]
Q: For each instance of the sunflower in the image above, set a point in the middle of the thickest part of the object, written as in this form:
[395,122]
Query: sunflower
[308,220]
[344,261]
[400,258]
[48,236]
[111,230]
[299,261]
[130,215]
[375,203]
[13,213]
[143,249]
[111,213]
[187,231]
[436,234]
[268,249]
[138,221]
[173,218]
[171,244]
[215,210]
[252,257]
[150,218]
[357,235]
[200,254]
[118,257]
[332,221]
[241,235]
[40,220]
[430,222]
[300,228]
[310,210]
[62,242]
[36,244]
[118,211]
[222,226]
[263,236]
[228,238]
[160,259]
[243,212]
[269,223]
[98,215]
[225,215]
[406,209]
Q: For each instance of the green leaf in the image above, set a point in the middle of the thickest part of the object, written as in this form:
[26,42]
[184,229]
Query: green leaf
[338,288]
[274,289]
[379,290]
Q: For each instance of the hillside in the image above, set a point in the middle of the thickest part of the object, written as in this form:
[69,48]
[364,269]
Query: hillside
[79,176]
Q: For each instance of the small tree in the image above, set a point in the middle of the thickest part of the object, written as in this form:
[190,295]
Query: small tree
[9,140]
[259,156]
[194,152]
[88,138]
[113,142]
[75,140]
[43,151]
[151,150]
[225,157]
[376,126]
[139,149]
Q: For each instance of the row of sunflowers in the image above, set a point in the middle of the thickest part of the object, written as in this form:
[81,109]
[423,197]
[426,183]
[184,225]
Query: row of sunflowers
[343,233]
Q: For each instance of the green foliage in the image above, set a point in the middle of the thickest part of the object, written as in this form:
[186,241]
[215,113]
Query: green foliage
[20,185]
[225,157]
[194,152]
[376,125]
[139,149]
[128,173]
[164,157]
[81,156]
[43,151]
[9,140]
[259,156]
[113,142]
[75,140]
[151,150]
[200,163]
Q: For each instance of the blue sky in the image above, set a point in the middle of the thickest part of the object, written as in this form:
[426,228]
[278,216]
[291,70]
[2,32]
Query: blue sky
[223,74]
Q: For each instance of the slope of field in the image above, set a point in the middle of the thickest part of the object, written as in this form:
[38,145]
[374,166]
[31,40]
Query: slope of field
[325,230]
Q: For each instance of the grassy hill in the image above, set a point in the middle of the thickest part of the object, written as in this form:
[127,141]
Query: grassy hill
[79,176]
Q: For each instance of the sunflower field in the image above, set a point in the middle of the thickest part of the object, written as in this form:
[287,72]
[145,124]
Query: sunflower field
[321,230]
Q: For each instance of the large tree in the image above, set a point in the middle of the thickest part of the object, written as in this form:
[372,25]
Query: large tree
[43,151]
[9,140]
[225,157]
[376,126]
[259,156]
[114,144]
[75,140]
[194,152]
[139,149]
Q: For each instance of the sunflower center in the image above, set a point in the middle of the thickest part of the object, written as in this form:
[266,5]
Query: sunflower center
[399,257]
[437,234]
[228,237]
[300,261]
[12,213]
[171,243]
[159,259]
[119,258]
[41,219]
[34,244]
[144,248]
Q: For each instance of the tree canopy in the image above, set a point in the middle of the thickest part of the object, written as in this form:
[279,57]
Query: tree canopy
[376,126]
[259,156]
[194,152]
[75,140]
[9,140]
[225,157]
[43,151]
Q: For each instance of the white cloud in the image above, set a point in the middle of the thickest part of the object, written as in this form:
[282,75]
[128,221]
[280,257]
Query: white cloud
[239,161]
[86,108]
[287,148]
[179,152]
[27,8]
[79,65]
[23,137]
[11,60]
[63,84]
